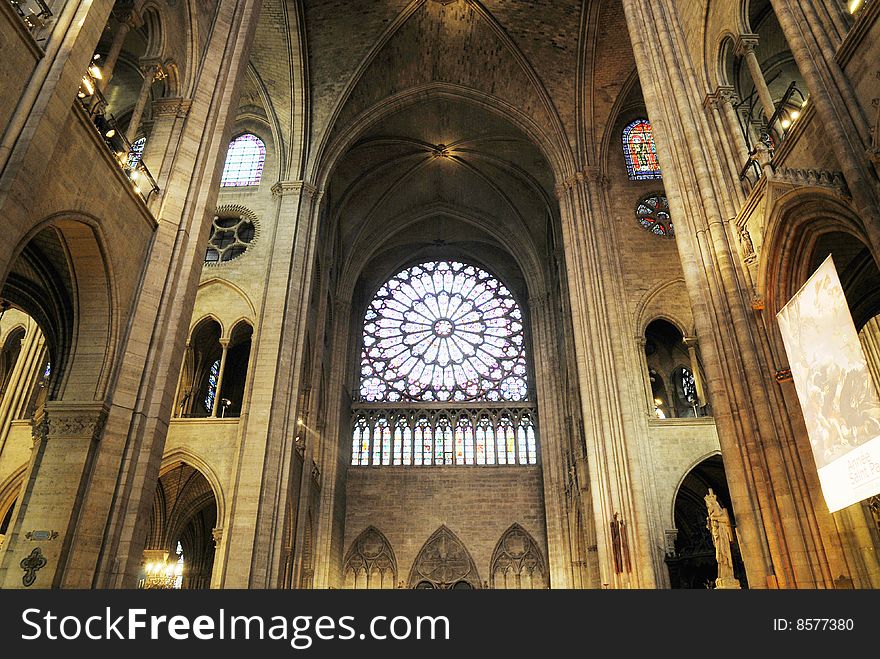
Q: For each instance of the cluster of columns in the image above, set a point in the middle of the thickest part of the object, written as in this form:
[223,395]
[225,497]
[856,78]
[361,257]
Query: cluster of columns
[94,465]
[787,537]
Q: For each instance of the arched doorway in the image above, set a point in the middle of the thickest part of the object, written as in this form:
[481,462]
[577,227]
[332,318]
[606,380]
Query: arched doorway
[693,563]
[181,531]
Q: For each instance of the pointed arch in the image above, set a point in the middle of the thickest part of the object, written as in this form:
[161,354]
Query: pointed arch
[517,562]
[444,563]
[370,562]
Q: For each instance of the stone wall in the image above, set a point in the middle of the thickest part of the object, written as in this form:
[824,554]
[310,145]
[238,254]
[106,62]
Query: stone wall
[408,504]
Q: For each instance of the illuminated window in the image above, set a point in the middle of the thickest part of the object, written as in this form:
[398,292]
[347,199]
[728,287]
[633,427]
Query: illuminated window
[136,152]
[449,335]
[443,331]
[244,161]
[652,213]
[178,578]
[213,376]
[640,151]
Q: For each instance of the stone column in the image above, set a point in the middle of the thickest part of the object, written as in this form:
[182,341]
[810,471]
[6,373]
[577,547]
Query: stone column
[788,537]
[606,372]
[255,538]
[735,153]
[66,438]
[554,440]
[745,48]
[842,116]
[120,501]
[641,342]
[329,534]
[151,70]
[691,343]
[216,571]
[224,345]
[128,19]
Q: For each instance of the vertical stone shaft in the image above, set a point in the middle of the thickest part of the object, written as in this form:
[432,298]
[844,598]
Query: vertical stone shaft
[780,541]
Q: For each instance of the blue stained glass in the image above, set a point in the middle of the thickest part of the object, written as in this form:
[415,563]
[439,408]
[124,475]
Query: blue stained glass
[136,152]
[213,376]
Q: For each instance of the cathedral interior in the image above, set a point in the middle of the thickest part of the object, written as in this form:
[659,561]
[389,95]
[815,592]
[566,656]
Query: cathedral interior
[452,294]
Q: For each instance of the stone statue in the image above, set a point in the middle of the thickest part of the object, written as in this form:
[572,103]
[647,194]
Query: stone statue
[719,526]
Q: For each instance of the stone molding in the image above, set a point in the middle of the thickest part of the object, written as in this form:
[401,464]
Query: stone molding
[70,422]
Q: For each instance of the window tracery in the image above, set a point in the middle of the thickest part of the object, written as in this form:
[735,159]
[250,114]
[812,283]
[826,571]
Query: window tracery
[652,212]
[443,373]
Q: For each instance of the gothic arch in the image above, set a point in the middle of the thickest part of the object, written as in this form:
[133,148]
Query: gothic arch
[647,307]
[795,223]
[185,456]
[61,275]
[10,489]
[696,463]
[444,563]
[370,562]
[517,562]
[378,236]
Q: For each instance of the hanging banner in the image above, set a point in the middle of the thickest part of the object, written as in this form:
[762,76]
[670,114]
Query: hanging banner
[838,397]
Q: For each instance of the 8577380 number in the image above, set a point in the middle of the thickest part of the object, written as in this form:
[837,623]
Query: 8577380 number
[813,624]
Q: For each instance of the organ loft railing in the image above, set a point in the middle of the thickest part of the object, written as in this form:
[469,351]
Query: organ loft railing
[472,434]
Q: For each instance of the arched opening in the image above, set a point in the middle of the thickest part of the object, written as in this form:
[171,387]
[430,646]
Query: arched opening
[454,204]
[238,354]
[773,69]
[693,564]
[197,396]
[180,546]
[673,372]
[244,161]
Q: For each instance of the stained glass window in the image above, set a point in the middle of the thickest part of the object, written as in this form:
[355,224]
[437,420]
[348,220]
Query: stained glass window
[640,151]
[244,161]
[652,212]
[443,373]
[443,331]
[213,376]
[136,152]
[459,437]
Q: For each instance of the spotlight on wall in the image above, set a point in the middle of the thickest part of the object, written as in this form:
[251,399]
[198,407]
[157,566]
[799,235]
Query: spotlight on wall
[110,133]
[95,72]
[854,6]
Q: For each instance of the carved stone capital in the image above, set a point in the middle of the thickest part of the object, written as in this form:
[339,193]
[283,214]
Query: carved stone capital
[150,65]
[726,94]
[217,534]
[690,341]
[70,421]
[284,188]
[128,17]
[591,176]
[171,107]
[745,43]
